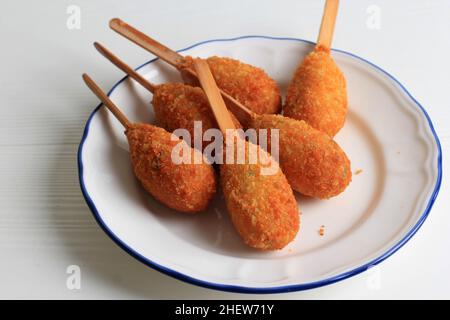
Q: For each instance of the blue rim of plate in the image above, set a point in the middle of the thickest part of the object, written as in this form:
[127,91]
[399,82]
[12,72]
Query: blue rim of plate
[262,290]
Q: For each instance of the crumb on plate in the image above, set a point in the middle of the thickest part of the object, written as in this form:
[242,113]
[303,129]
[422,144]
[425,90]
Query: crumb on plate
[322,230]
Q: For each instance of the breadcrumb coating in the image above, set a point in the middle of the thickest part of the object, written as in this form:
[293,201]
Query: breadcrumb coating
[178,105]
[262,207]
[183,187]
[313,163]
[249,85]
[317,93]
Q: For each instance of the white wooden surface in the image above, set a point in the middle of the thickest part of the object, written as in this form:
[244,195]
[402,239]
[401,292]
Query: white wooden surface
[45,225]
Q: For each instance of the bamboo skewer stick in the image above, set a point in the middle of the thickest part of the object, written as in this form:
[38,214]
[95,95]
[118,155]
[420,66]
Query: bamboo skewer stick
[124,67]
[141,39]
[218,106]
[242,113]
[328,22]
[106,101]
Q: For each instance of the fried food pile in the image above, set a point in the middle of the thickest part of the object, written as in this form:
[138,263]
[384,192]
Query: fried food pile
[262,207]
[179,105]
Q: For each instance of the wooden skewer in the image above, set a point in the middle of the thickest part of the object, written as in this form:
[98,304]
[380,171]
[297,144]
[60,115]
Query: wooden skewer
[151,45]
[328,23]
[106,101]
[124,67]
[128,70]
[141,39]
[218,106]
[242,113]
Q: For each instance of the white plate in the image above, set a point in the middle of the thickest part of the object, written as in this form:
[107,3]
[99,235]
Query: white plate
[388,135]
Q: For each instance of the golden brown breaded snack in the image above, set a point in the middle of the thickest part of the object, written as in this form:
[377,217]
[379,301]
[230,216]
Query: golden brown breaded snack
[183,187]
[317,93]
[313,163]
[249,85]
[178,105]
[262,207]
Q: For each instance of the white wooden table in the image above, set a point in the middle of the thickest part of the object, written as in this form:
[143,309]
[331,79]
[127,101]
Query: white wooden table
[45,225]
